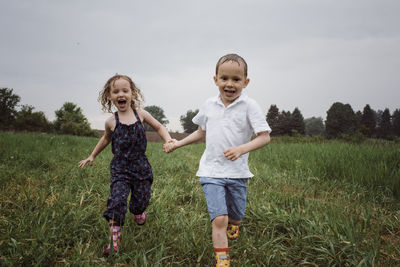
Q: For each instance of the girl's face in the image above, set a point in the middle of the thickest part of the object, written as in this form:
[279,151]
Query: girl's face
[121,94]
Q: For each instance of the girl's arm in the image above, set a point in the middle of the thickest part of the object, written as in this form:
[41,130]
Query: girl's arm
[103,142]
[262,139]
[192,138]
[156,125]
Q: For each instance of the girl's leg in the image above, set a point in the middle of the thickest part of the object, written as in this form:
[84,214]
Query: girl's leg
[117,202]
[115,236]
[140,198]
[115,213]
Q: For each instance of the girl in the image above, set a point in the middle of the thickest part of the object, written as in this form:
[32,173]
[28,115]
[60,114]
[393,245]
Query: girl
[129,168]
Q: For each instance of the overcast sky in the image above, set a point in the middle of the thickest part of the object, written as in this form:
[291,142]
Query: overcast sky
[301,53]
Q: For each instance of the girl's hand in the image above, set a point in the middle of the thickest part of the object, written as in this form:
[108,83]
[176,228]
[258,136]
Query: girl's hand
[169,146]
[233,153]
[82,163]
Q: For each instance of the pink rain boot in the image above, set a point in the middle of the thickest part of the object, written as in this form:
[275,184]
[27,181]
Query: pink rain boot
[140,219]
[116,236]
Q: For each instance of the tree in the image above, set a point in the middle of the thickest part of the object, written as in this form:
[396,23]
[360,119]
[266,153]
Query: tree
[314,126]
[158,114]
[272,119]
[70,120]
[27,120]
[283,126]
[396,122]
[340,119]
[297,122]
[187,123]
[8,103]
[368,121]
[358,117]
[385,125]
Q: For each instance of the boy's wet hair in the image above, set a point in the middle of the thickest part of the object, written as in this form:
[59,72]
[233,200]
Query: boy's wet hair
[137,96]
[232,57]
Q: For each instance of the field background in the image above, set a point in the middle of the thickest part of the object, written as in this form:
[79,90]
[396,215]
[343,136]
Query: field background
[309,204]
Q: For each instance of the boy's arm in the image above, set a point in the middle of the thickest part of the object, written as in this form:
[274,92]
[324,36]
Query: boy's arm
[192,138]
[233,153]
[156,125]
[103,142]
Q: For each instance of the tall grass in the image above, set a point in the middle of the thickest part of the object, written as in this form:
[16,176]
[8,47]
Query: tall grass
[325,204]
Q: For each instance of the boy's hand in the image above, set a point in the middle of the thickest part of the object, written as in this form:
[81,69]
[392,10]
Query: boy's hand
[169,146]
[233,153]
[82,163]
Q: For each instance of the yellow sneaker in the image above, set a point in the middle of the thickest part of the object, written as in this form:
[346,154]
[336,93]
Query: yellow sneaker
[222,259]
[232,231]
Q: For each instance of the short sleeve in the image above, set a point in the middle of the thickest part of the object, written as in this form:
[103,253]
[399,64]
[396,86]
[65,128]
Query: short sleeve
[201,118]
[256,118]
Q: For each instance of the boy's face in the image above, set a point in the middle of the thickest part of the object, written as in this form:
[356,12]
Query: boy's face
[230,81]
[121,94]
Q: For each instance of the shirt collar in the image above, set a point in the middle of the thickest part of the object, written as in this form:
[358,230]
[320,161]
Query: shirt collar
[241,98]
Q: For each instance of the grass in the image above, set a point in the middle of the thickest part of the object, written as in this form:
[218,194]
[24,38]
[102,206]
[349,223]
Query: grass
[314,204]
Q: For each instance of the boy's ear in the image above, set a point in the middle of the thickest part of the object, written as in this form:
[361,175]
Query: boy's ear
[246,82]
[215,79]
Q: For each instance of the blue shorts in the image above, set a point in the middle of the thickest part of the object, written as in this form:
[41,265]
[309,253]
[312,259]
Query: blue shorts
[225,196]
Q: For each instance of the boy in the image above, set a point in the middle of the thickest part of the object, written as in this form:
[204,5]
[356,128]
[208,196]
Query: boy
[228,122]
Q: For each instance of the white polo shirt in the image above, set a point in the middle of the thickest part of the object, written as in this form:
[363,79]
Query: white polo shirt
[225,127]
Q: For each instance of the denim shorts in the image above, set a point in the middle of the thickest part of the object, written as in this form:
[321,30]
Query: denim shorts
[225,196]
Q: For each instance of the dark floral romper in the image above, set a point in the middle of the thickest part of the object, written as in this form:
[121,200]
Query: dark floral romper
[130,171]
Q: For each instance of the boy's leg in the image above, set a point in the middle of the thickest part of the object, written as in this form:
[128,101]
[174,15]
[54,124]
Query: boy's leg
[214,192]
[220,241]
[236,204]
[219,225]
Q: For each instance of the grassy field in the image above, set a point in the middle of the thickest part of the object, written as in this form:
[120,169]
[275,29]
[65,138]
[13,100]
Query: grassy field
[314,204]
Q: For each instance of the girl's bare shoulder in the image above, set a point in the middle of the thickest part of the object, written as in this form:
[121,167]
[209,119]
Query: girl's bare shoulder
[110,123]
[143,114]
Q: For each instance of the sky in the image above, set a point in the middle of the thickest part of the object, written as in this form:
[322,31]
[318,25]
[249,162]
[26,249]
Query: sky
[300,53]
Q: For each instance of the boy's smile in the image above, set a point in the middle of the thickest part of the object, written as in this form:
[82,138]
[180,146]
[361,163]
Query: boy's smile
[230,80]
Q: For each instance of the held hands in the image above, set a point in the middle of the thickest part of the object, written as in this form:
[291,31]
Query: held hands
[233,153]
[170,146]
[82,163]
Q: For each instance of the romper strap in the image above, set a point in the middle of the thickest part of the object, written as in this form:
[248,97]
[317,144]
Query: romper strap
[137,116]
[116,118]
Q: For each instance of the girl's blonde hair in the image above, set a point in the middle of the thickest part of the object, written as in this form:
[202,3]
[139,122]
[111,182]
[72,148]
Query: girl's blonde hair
[137,96]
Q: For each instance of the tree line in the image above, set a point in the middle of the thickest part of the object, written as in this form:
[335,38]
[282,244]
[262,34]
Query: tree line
[341,120]
[69,118]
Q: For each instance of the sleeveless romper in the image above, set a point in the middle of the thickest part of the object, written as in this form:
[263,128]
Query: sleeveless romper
[130,171]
